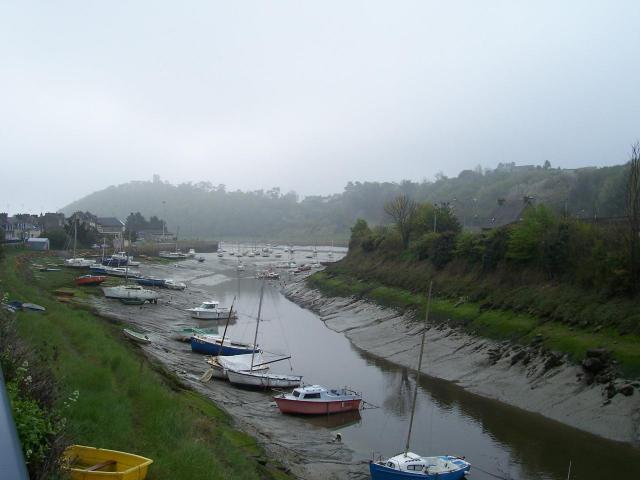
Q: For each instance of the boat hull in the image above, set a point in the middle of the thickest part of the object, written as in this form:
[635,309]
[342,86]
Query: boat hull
[263,381]
[302,407]
[150,282]
[209,315]
[126,466]
[90,280]
[119,293]
[199,345]
[382,472]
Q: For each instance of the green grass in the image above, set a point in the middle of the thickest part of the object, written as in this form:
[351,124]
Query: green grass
[498,324]
[126,403]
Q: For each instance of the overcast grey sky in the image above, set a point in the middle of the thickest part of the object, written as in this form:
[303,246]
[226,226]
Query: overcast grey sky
[306,95]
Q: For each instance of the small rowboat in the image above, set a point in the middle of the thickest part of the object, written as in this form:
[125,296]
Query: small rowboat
[135,336]
[88,463]
[318,400]
[88,280]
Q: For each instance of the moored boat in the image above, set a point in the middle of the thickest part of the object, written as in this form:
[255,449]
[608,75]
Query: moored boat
[185,334]
[262,380]
[78,262]
[221,364]
[318,400]
[410,465]
[210,310]
[174,284]
[88,280]
[150,281]
[213,345]
[130,292]
[87,463]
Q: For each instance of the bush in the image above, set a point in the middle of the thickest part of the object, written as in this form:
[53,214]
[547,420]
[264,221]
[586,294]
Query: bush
[442,248]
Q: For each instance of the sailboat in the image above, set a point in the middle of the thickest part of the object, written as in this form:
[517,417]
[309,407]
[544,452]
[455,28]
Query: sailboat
[77,262]
[409,465]
[256,378]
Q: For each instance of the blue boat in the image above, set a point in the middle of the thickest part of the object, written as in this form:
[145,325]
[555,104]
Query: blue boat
[211,345]
[411,466]
[115,262]
[98,268]
[150,281]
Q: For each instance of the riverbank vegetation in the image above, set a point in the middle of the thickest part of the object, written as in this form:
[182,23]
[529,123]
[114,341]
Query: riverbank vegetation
[123,401]
[571,282]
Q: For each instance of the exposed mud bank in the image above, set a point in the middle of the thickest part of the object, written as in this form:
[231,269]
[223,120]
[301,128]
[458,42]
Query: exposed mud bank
[526,377]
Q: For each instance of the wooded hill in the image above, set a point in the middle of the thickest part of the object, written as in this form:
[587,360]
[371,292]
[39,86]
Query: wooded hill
[207,211]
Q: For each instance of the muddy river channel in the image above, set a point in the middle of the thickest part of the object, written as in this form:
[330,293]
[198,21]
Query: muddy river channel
[500,441]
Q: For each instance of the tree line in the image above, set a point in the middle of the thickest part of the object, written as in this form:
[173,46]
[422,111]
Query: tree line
[603,256]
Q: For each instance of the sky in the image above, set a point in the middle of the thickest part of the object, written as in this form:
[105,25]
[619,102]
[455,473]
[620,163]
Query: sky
[306,95]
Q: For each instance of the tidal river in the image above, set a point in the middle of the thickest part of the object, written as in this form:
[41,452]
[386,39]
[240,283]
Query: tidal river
[500,441]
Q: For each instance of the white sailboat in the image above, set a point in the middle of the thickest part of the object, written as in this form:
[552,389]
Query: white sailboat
[77,262]
[254,377]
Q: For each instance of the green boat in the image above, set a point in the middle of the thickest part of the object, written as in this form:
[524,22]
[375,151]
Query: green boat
[135,336]
[185,334]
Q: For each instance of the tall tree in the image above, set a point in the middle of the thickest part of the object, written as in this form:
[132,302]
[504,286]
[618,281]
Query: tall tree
[633,215]
[401,209]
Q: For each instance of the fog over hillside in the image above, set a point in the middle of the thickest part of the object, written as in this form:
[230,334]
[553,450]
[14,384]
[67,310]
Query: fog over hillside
[210,211]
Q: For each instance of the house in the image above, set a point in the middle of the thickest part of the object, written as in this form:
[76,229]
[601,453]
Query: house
[110,226]
[508,212]
[40,244]
[51,221]
[19,227]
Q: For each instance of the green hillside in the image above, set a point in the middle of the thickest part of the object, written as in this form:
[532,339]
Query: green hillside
[207,211]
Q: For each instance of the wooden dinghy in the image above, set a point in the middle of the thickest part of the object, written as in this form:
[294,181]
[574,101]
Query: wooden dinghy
[135,336]
[88,463]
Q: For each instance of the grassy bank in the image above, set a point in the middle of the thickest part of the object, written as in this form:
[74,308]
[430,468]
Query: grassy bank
[476,318]
[126,403]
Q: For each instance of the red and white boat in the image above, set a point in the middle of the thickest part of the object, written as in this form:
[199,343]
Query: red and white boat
[318,400]
[90,280]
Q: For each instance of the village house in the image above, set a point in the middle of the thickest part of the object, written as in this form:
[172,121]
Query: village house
[19,227]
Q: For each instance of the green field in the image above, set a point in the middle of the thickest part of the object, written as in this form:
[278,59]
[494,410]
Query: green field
[125,402]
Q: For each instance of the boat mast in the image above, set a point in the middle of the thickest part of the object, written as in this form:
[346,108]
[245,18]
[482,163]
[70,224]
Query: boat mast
[75,236]
[255,338]
[226,325]
[415,392]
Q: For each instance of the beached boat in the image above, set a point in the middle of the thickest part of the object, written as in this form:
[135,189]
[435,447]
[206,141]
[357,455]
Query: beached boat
[150,282]
[221,364]
[33,307]
[130,292]
[88,280]
[209,311]
[408,465]
[78,262]
[318,400]
[201,259]
[88,463]
[213,345]
[262,380]
[185,334]
[174,284]
[132,301]
[135,336]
